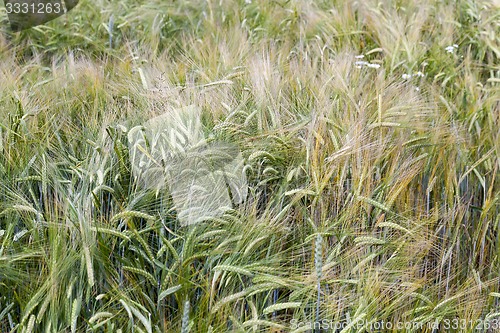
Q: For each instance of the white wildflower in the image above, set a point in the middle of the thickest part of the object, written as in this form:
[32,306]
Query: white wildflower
[451,48]
[419,74]
[361,56]
[406,76]
[360,64]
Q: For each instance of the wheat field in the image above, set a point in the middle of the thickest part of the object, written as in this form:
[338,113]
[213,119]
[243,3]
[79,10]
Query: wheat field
[370,133]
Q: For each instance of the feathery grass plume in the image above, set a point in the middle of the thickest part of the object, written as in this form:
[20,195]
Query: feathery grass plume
[31,324]
[185,317]
[75,310]
[111,26]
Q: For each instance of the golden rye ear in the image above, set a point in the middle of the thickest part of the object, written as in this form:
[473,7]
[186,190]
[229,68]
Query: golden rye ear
[24,14]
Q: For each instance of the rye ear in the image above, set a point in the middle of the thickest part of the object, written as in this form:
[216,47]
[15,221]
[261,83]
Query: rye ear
[24,14]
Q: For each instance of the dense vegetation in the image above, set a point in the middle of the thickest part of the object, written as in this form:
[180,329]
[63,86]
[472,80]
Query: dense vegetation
[371,134]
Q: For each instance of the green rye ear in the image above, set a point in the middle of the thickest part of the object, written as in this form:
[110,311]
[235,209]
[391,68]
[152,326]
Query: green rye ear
[24,14]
